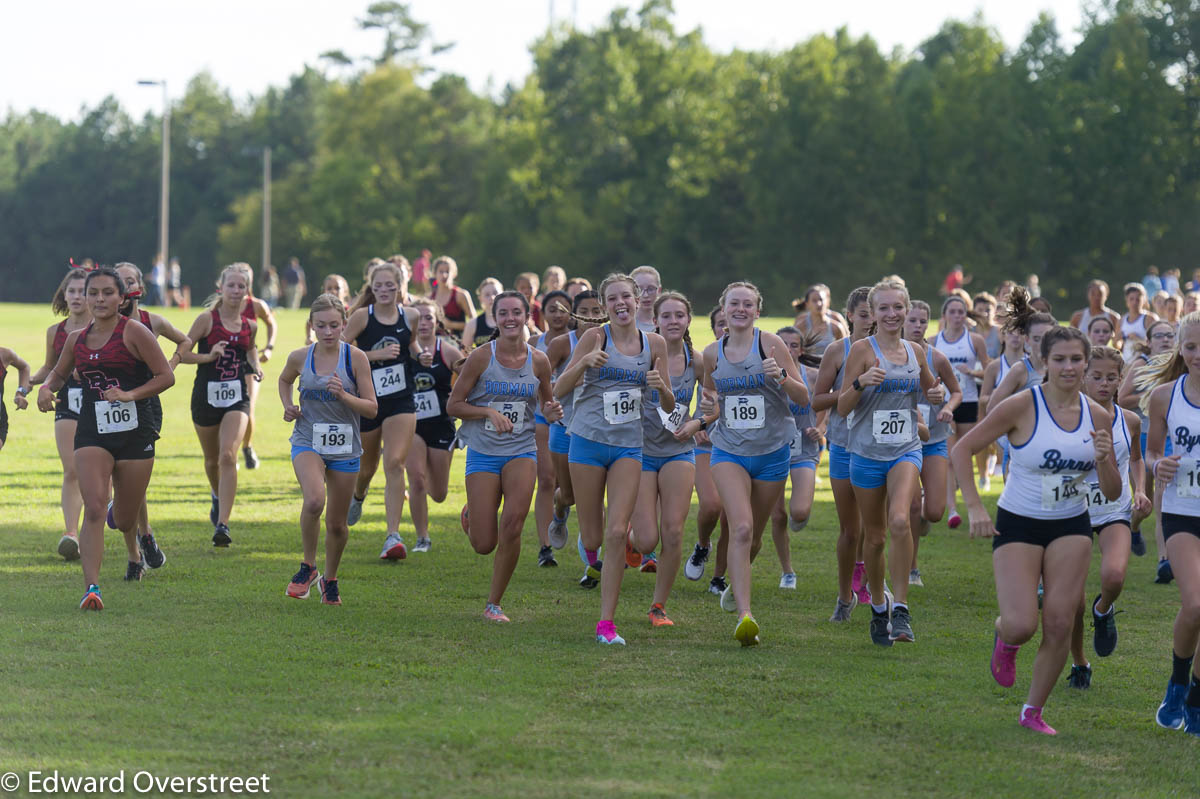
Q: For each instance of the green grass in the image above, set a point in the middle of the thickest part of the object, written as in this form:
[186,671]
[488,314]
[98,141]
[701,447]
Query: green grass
[207,667]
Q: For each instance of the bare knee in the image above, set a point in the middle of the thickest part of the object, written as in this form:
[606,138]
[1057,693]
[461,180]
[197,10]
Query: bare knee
[741,533]
[393,464]
[227,460]
[482,546]
[1112,578]
[313,506]
[336,528]
[1057,624]
[898,524]
[417,482]
[935,509]
[1018,631]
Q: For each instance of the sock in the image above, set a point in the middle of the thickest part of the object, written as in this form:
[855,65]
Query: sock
[1026,708]
[879,608]
[898,605]
[591,556]
[1193,697]
[1180,667]
[1097,614]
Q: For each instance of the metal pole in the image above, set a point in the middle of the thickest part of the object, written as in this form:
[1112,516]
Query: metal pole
[164,240]
[266,211]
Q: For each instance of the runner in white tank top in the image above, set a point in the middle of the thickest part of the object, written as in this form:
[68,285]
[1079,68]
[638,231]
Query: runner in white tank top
[1135,321]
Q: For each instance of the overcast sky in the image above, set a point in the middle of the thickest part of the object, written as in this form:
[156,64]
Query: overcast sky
[61,56]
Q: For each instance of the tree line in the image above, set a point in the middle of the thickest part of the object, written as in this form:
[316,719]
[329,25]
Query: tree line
[634,143]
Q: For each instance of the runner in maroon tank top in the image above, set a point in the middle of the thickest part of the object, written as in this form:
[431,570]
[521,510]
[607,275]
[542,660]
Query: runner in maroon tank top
[255,309]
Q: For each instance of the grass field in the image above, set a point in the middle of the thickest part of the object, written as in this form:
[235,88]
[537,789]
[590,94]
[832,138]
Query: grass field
[205,667]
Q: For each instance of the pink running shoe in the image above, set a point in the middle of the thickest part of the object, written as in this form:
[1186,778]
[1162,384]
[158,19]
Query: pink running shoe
[858,584]
[954,521]
[606,633]
[1004,662]
[1031,718]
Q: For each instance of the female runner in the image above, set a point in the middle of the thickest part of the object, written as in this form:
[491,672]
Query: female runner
[1097,292]
[1136,321]
[432,449]
[257,311]
[456,303]
[754,375]
[884,382]
[649,283]
[556,314]
[928,506]
[984,306]
[964,350]
[1171,385]
[851,568]
[1100,331]
[9,358]
[338,287]
[480,328]
[1042,529]
[814,319]
[120,367]
[336,390]
[220,407]
[383,329]
[495,396]
[1110,520]
[613,365]
[69,301]
[668,464]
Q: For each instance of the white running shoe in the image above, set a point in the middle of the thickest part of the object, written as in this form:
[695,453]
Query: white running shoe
[355,512]
[728,603]
[788,581]
[393,548]
[422,545]
[558,532]
[693,569]
[914,578]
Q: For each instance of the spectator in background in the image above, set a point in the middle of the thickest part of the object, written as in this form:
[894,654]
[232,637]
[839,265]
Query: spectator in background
[1191,302]
[420,274]
[1194,283]
[1033,286]
[527,283]
[955,279]
[175,285]
[1170,281]
[270,286]
[156,282]
[553,279]
[1152,282]
[294,284]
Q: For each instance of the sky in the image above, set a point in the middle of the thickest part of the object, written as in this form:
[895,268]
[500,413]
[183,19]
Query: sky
[60,57]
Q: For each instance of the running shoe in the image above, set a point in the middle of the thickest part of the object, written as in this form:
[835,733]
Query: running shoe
[1004,661]
[858,583]
[464,519]
[393,548]
[728,603]
[108,518]
[1170,713]
[914,578]
[788,581]
[494,613]
[902,626]
[747,631]
[134,572]
[558,532]
[633,558]
[841,611]
[797,526]
[214,513]
[954,521]
[422,545]
[1164,575]
[881,626]
[68,547]
[251,457]
[1191,723]
[649,563]
[91,601]
[329,592]
[717,585]
[1031,718]
[985,483]
[546,558]
[302,581]
[694,568]
[658,616]
[1104,637]
[221,536]
[152,556]
[606,633]
[1080,677]
[591,575]
[355,512]
[1137,544]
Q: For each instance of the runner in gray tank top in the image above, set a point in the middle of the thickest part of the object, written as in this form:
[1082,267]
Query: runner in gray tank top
[556,315]
[336,391]
[610,402]
[495,396]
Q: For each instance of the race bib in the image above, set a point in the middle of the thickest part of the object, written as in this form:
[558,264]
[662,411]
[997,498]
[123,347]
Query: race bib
[388,379]
[745,412]
[797,445]
[75,400]
[512,411]
[1058,490]
[893,427]
[427,404]
[674,420]
[1099,505]
[1187,479]
[621,407]
[115,417]
[224,393]
[333,439]
[925,414]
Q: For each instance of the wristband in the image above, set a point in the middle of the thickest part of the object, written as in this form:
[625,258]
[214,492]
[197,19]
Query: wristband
[857,385]
[24,392]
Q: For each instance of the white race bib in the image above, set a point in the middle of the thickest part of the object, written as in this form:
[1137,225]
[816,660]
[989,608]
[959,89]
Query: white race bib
[333,439]
[797,445]
[893,427]
[1187,479]
[745,412]
[622,407]
[115,417]
[674,420]
[925,414]
[512,411]
[1099,505]
[75,400]
[1059,489]
[224,393]
[388,379]
[427,404]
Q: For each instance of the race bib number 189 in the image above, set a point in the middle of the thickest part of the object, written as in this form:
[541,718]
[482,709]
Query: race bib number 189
[745,412]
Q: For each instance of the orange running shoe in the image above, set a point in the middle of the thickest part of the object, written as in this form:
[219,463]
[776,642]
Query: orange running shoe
[658,616]
[91,600]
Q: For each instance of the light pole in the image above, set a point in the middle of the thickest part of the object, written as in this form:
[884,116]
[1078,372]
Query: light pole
[164,211]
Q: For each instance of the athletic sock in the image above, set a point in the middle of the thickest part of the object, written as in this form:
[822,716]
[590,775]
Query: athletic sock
[591,556]
[898,605]
[879,608]
[1180,669]
[1193,697]
[1098,614]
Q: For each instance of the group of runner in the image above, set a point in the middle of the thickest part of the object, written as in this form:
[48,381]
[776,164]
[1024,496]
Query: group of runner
[597,400]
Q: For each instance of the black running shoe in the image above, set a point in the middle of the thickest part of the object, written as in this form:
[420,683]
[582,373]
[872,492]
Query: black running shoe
[902,626]
[1164,574]
[251,457]
[880,634]
[591,575]
[546,558]
[214,512]
[717,585]
[221,536]
[1137,544]
[1080,677]
[1104,637]
[152,556]
[134,572]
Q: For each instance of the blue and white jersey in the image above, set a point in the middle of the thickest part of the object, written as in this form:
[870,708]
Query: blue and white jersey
[837,431]
[754,416]
[1102,510]
[1182,495]
[608,409]
[512,392]
[658,434]
[883,426]
[961,354]
[803,447]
